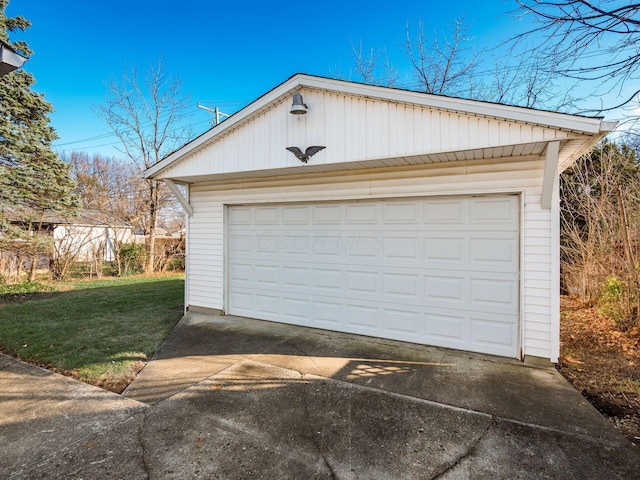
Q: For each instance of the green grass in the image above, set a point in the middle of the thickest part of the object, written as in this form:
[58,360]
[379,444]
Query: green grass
[97,331]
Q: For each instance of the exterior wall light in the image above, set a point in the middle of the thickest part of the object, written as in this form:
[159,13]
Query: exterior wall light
[298,107]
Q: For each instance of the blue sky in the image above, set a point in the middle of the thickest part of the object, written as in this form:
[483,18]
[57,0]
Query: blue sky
[226,53]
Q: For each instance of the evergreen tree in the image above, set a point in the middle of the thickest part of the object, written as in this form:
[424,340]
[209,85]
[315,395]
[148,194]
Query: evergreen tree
[33,180]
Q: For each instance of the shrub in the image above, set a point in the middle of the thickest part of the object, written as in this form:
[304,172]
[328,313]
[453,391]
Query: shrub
[131,258]
[619,302]
[170,254]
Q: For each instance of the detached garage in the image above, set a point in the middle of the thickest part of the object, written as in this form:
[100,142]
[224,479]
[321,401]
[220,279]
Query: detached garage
[382,212]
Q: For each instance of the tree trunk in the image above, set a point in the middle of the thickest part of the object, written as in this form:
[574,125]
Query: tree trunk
[32,268]
[153,222]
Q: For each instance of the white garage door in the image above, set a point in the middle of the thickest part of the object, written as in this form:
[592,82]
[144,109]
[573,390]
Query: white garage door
[437,271]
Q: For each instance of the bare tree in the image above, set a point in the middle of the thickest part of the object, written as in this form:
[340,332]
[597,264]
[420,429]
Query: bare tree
[527,82]
[145,114]
[574,32]
[111,186]
[445,65]
[367,66]
[600,197]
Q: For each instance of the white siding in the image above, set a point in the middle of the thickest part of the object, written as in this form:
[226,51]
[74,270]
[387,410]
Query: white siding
[205,244]
[354,129]
[206,277]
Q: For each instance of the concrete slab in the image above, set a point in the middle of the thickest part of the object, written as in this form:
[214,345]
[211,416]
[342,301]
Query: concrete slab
[42,412]
[236,398]
[203,345]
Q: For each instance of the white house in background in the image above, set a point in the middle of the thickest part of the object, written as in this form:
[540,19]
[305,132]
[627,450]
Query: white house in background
[92,235]
[425,218]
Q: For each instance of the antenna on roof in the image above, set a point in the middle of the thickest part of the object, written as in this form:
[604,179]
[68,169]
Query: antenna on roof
[217,113]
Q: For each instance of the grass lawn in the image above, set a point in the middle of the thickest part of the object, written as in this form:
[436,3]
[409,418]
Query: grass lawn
[101,332]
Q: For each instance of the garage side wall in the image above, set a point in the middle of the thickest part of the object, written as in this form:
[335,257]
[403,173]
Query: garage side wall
[522,176]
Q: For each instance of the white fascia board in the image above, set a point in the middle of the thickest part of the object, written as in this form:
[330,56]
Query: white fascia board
[590,125]
[575,123]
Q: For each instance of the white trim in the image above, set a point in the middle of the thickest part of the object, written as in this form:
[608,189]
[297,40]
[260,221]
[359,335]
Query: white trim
[550,178]
[187,262]
[475,107]
[555,275]
[225,257]
[521,280]
[178,194]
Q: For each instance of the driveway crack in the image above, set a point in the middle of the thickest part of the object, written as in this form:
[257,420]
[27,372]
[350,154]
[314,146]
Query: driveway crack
[143,444]
[312,432]
[471,450]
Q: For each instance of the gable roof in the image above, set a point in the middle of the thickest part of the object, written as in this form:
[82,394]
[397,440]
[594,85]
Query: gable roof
[590,129]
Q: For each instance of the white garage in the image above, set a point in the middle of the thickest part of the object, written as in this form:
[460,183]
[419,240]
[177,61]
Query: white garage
[416,217]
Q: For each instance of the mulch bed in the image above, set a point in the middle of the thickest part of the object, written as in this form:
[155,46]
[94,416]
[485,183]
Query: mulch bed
[602,363]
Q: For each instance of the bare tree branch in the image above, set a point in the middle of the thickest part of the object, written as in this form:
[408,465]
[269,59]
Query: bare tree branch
[590,41]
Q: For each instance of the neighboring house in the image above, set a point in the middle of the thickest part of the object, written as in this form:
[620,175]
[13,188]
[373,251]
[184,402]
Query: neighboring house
[92,235]
[89,233]
[426,218]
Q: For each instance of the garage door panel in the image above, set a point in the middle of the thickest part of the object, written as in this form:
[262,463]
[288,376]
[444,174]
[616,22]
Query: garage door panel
[400,213]
[329,314]
[296,310]
[435,271]
[266,275]
[264,244]
[363,319]
[296,277]
[405,247]
[296,215]
[445,289]
[497,250]
[328,280]
[266,215]
[444,212]
[444,250]
[401,286]
[445,326]
[494,211]
[402,324]
[362,283]
[241,244]
[362,214]
[327,245]
[327,214]
[267,304]
[241,216]
[495,331]
[241,273]
[242,303]
[494,294]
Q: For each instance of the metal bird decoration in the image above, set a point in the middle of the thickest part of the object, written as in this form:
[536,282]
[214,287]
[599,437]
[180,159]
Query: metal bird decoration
[308,153]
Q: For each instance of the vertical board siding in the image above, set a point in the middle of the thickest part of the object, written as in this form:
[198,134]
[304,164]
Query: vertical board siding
[353,129]
[206,234]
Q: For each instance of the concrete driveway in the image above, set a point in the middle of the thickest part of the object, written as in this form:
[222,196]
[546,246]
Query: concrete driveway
[234,398]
